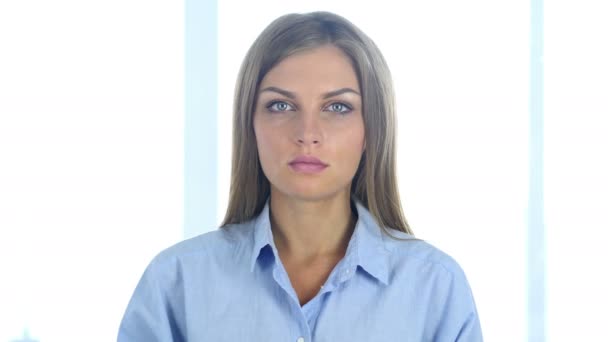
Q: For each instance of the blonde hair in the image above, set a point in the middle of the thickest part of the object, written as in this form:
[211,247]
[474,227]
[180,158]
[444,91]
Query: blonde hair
[375,182]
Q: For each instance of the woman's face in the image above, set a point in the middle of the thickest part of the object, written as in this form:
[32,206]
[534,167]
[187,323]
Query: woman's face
[308,124]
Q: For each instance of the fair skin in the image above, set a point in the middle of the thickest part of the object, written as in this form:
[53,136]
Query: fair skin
[310,105]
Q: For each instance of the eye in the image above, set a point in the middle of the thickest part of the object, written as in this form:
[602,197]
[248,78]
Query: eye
[339,107]
[279,106]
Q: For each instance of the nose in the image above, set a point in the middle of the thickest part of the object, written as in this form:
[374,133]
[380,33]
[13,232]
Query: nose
[308,129]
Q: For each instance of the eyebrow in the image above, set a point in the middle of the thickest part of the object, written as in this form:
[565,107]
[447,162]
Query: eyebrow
[327,95]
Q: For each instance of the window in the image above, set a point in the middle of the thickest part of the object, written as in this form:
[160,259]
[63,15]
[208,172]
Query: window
[93,162]
[576,165]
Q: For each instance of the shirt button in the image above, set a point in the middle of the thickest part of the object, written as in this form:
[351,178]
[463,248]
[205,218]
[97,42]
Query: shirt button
[300,339]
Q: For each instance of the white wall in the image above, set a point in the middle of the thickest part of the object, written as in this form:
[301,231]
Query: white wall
[91,159]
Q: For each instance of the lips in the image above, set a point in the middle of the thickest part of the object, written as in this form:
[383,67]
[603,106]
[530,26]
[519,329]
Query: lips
[307,164]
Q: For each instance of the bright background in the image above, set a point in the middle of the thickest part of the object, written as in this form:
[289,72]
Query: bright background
[115,143]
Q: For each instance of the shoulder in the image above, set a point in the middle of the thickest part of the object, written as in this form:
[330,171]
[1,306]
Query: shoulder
[406,252]
[425,272]
[157,305]
[413,252]
[217,244]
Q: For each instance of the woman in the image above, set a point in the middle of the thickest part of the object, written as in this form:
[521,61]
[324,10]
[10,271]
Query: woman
[314,245]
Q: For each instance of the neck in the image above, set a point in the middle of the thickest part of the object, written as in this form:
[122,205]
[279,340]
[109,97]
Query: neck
[309,230]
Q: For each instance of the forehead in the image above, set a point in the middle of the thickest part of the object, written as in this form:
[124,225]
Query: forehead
[325,67]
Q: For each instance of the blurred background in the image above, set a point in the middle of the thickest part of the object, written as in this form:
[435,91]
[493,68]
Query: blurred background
[115,143]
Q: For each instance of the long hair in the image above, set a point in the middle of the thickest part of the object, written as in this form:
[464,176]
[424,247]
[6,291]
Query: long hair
[375,182]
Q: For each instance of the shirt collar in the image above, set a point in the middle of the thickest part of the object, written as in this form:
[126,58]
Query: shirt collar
[366,247]
[262,234]
[368,241]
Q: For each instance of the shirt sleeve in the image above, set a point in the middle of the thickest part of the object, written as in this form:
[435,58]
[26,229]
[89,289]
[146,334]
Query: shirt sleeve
[147,318]
[459,321]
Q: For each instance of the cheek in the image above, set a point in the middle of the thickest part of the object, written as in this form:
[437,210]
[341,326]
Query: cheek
[266,142]
[351,147]
[357,138]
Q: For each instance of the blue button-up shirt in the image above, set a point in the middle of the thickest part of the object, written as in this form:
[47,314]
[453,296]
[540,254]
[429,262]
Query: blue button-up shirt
[230,285]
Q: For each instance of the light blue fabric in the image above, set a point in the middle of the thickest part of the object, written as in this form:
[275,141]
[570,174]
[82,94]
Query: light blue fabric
[230,285]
